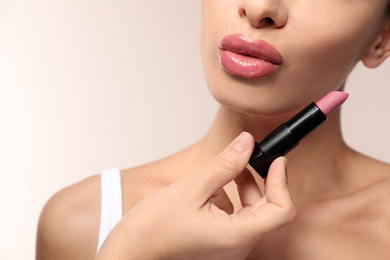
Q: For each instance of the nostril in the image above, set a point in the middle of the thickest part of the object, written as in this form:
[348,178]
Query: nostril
[266,21]
[269,20]
[242,12]
[260,14]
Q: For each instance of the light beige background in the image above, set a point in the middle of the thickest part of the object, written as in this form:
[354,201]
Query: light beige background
[87,84]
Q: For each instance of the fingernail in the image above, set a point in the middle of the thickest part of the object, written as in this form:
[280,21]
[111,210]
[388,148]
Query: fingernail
[242,143]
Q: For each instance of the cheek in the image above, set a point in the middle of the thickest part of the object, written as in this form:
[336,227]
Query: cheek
[214,26]
[326,50]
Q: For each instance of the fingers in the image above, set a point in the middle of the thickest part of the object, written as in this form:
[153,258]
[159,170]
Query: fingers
[281,207]
[223,168]
[275,209]
[222,201]
[248,189]
[276,190]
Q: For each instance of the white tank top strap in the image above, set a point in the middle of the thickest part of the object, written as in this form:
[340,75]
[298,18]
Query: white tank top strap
[111,204]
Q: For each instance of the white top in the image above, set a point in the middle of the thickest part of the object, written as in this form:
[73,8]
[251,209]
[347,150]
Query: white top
[111,205]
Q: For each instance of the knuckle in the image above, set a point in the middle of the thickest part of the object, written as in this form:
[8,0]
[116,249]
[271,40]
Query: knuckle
[226,162]
[291,213]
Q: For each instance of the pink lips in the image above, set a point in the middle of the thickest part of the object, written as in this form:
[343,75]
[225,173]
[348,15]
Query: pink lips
[248,58]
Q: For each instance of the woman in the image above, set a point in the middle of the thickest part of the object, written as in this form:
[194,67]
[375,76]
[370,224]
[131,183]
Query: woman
[341,195]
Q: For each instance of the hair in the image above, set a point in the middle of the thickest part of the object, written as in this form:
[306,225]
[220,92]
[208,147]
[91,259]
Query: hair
[386,15]
[388,10]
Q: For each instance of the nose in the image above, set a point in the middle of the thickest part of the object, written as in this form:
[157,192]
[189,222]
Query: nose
[263,13]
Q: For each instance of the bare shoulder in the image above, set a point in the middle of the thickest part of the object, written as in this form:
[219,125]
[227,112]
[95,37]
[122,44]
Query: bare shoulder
[370,205]
[369,213]
[376,175]
[69,223]
[379,192]
[367,171]
[139,182]
[374,178]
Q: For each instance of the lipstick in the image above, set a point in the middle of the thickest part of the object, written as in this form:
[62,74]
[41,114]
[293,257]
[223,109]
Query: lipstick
[287,136]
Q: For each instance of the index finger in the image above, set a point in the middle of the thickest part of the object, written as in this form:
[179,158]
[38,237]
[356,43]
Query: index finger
[223,168]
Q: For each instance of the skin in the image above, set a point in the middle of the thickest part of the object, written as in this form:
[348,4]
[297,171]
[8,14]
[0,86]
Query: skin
[341,195]
[196,205]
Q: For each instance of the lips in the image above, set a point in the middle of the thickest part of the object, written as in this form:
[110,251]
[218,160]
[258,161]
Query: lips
[248,58]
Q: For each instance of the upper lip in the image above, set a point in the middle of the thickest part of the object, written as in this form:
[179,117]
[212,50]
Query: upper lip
[260,49]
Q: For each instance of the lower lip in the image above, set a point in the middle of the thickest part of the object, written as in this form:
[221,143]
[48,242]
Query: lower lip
[245,66]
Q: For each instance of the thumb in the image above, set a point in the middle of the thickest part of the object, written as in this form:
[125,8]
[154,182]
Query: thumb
[223,168]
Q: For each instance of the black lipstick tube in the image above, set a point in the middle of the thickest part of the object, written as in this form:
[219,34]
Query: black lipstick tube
[284,138]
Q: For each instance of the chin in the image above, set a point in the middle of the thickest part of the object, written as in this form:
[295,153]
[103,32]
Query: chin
[259,106]
[263,101]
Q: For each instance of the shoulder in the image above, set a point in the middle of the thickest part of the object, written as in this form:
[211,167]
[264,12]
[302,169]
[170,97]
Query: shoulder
[69,223]
[378,198]
[373,217]
[139,182]
[374,179]
[366,173]
[370,205]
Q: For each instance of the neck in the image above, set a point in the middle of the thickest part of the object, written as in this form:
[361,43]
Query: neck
[314,166]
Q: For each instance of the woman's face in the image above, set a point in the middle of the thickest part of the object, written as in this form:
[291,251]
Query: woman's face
[320,41]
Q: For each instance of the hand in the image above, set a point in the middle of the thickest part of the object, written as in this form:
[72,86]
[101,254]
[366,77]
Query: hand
[181,221]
